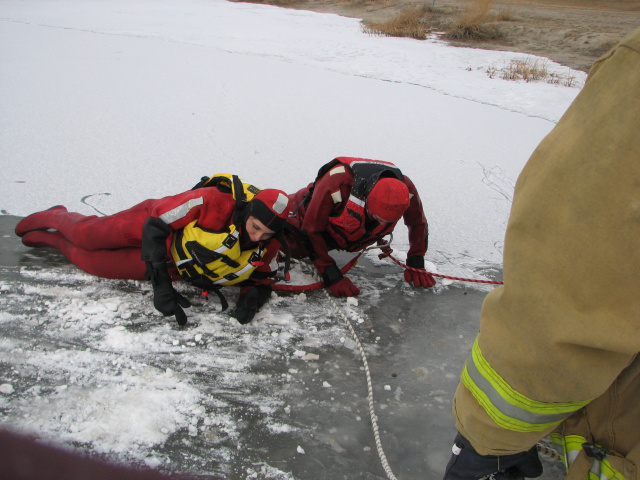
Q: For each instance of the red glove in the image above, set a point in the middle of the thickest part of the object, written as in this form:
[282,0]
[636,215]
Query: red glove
[340,286]
[344,288]
[419,277]
[386,251]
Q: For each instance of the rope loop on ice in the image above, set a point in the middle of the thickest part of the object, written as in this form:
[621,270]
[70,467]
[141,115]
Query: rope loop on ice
[283,287]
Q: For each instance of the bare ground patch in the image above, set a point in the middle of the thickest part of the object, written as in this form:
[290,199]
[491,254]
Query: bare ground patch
[570,32]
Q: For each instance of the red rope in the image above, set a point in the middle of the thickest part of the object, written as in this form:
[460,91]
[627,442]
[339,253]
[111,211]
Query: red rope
[494,282]
[283,287]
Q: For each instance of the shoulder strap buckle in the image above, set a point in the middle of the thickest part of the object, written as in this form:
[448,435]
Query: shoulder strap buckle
[593,451]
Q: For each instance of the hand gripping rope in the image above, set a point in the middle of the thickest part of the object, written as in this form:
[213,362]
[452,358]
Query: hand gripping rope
[282,287]
[494,282]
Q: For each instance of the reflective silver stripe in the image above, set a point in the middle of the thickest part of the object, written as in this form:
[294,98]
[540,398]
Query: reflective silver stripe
[239,273]
[596,466]
[369,162]
[274,264]
[223,248]
[356,200]
[506,408]
[180,211]
[280,204]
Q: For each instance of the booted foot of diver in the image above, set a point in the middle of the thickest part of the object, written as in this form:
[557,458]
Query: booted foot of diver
[39,221]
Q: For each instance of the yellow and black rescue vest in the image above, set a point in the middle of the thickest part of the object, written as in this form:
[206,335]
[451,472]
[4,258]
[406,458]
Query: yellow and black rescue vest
[199,252]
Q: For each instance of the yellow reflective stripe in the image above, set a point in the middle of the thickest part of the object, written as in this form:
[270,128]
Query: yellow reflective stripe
[242,272]
[507,407]
[558,439]
[572,446]
[607,471]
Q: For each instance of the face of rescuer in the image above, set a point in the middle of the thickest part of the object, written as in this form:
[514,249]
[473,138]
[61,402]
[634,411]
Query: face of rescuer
[256,230]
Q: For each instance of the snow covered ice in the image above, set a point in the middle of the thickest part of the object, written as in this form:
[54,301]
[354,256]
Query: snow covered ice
[107,103]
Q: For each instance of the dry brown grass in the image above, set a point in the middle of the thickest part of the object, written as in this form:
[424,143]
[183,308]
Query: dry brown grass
[530,70]
[410,23]
[506,16]
[365,2]
[278,3]
[476,13]
[474,23]
[464,31]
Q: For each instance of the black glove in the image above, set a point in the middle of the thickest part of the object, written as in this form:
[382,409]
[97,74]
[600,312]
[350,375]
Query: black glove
[166,300]
[467,464]
[250,301]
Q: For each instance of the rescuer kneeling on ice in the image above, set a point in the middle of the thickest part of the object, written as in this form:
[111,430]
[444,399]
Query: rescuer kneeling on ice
[353,203]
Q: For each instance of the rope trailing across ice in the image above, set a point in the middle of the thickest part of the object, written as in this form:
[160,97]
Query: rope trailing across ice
[495,282]
[372,412]
[283,287]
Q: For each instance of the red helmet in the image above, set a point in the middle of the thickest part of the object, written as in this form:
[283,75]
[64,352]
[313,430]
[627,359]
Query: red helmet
[271,207]
[388,199]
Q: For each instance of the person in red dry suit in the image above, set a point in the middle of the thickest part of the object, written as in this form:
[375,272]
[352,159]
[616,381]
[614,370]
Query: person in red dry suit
[222,232]
[353,203]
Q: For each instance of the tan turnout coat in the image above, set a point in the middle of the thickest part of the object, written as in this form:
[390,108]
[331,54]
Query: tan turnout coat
[565,327]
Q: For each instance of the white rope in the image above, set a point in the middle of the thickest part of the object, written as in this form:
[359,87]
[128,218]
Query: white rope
[372,412]
[541,447]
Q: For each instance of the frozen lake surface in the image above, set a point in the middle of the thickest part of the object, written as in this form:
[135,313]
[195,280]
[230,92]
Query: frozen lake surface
[92,365]
[106,103]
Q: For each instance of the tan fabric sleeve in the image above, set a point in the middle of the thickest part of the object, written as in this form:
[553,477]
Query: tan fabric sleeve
[566,321]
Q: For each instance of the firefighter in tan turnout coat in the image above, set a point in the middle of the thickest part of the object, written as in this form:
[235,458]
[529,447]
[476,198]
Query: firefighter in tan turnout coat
[557,351]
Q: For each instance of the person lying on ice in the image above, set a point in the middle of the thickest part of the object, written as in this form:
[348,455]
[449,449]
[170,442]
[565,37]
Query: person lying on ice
[222,232]
[353,203]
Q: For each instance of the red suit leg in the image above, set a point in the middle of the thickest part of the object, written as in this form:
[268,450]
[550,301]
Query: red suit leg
[123,229]
[123,263]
